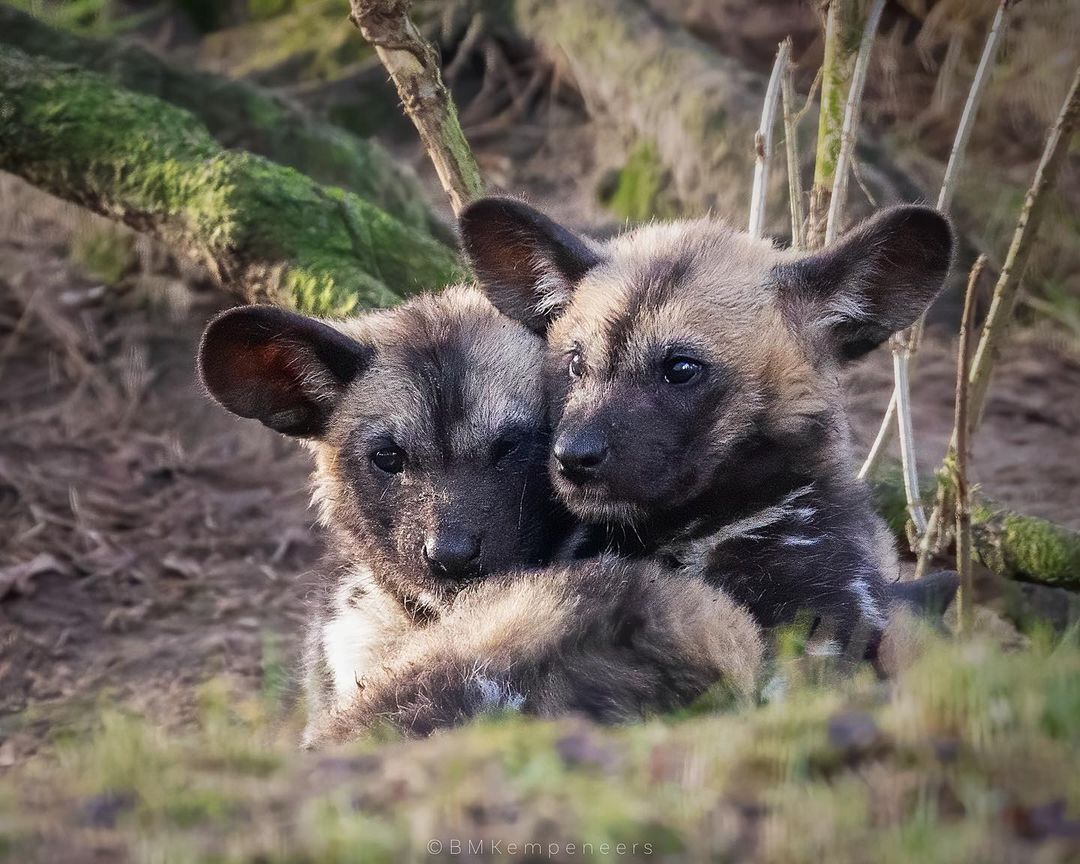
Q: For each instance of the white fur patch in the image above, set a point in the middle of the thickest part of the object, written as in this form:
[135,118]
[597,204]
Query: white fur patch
[552,292]
[350,639]
[823,648]
[867,604]
[844,307]
[800,541]
[496,695]
[746,527]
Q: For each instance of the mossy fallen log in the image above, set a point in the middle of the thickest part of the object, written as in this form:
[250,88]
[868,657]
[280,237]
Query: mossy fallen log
[241,116]
[696,109]
[1009,544]
[656,83]
[264,230]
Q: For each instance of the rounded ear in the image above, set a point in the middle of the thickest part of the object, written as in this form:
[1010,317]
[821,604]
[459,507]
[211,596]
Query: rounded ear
[875,281]
[526,264]
[283,369]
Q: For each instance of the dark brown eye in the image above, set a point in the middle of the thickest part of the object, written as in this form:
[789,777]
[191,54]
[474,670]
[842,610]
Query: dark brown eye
[681,370]
[504,447]
[577,365]
[390,460]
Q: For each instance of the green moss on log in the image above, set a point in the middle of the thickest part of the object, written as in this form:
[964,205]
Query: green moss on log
[1008,543]
[639,190]
[305,41]
[264,230]
[1027,547]
[240,116]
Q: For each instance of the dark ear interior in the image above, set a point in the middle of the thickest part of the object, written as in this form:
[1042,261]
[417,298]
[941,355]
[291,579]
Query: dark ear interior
[527,264]
[876,280]
[283,369]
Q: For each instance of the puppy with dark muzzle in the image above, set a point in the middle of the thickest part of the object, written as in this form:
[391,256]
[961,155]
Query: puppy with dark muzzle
[694,374]
[431,434]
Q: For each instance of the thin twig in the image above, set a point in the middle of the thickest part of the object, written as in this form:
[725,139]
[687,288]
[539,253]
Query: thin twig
[932,542]
[971,107]
[517,108]
[884,434]
[791,147]
[962,430]
[476,29]
[856,172]
[1003,303]
[905,344]
[763,146]
[413,65]
[849,132]
[907,448]
[809,103]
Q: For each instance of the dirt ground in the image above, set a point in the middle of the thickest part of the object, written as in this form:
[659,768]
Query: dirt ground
[149,541]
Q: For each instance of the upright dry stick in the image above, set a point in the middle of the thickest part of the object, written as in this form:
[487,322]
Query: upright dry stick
[971,106]
[1003,304]
[905,345]
[849,133]
[791,147]
[763,142]
[413,65]
[961,431]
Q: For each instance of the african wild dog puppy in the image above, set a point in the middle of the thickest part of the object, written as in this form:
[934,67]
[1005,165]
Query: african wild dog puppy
[430,435]
[694,374]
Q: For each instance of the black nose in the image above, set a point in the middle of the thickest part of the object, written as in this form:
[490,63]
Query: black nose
[454,553]
[581,452]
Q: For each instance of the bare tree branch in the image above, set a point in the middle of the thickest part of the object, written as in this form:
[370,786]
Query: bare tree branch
[1003,304]
[962,430]
[835,77]
[906,344]
[413,65]
[264,231]
[763,145]
[999,318]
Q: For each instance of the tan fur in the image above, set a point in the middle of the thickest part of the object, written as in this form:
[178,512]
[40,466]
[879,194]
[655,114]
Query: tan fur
[615,640]
[720,305]
[904,640]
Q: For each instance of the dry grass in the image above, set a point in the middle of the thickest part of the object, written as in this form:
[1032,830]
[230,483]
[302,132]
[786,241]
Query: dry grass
[968,757]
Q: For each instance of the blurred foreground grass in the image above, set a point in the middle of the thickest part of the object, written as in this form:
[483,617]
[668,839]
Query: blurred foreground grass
[972,755]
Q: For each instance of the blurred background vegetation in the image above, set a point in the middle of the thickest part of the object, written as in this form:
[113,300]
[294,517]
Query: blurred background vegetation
[921,68]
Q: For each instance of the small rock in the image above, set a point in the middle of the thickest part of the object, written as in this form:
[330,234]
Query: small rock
[102,811]
[581,748]
[853,731]
[1044,822]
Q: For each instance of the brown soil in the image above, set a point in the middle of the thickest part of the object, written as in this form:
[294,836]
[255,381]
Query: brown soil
[160,540]
[1026,454]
